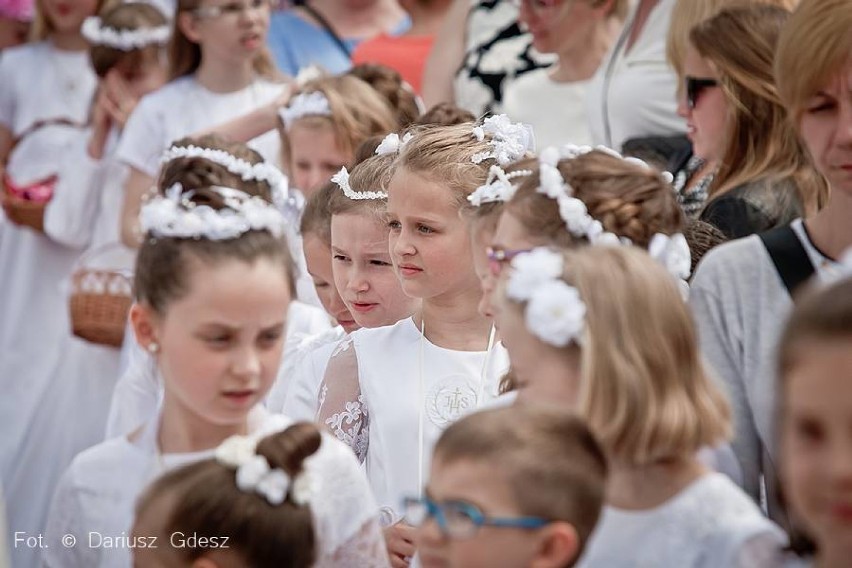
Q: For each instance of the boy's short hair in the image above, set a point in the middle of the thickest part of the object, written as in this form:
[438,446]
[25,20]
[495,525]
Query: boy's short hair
[554,466]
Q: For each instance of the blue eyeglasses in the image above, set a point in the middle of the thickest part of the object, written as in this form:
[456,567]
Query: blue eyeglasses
[461,520]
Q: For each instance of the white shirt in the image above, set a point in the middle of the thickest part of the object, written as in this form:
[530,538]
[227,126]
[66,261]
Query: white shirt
[556,111]
[709,524]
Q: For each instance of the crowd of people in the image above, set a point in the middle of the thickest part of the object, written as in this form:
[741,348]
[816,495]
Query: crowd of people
[439,283]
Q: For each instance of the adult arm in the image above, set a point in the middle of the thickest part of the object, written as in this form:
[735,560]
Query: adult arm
[137,185]
[446,56]
[253,124]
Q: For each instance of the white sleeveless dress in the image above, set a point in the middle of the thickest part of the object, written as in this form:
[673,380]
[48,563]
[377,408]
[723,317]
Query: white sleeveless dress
[405,393]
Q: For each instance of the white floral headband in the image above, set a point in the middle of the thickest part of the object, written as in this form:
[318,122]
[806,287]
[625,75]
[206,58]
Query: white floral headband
[124,40]
[175,215]
[255,474]
[510,141]
[305,104]
[392,143]
[498,188]
[341,178]
[554,311]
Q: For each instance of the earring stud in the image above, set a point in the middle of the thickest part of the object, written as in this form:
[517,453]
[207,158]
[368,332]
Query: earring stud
[153,347]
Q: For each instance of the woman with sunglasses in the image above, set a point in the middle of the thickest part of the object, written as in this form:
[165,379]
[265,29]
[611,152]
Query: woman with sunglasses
[763,178]
[553,100]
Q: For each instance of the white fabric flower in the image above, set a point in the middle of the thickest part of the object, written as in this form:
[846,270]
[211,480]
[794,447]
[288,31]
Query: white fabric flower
[274,486]
[510,141]
[555,313]
[576,216]
[303,489]
[123,40]
[673,252]
[531,269]
[305,104]
[392,143]
[235,450]
[251,472]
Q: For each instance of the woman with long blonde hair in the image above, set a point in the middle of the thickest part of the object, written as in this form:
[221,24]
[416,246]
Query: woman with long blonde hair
[735,118]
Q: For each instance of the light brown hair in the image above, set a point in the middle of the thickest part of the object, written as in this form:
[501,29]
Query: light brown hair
[163,264]
[389,84]
[203,499]
[185,54]
[446,114]
[129,16]
[629,200]
[357,112]
[761,143]
[316,218]
[814,45]
[554,467]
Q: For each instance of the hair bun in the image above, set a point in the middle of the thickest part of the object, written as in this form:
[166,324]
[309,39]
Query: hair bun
[289,448]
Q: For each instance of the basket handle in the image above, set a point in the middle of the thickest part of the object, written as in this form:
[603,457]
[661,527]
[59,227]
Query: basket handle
[93,252]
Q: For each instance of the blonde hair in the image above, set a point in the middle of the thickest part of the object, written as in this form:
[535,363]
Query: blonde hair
[185,54]
[644,391]
[815,43]
[741,44]
[553,465]
[686,14]
[628,199]
[357,112]
[444,154]
[42,27]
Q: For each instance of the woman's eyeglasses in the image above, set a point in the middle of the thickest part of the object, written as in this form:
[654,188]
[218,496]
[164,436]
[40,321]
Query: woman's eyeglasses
[230,9]
[497,257]
[461,520]
[695,86]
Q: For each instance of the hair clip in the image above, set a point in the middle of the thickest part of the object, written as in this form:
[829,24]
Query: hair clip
[124,40]
[554,311]
[498,186]
[341,178]
[392,143]
[176,216]
[305,104]
[510,141]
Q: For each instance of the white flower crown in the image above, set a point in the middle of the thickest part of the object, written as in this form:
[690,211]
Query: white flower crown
[510,141]
[554,311]
[124,40]
[341,178]
[277,181]
[392,143]
[255,474]
[305,104]
[498,187]
[175,215]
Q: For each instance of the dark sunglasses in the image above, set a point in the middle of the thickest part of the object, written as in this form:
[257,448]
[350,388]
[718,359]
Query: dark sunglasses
[695,86]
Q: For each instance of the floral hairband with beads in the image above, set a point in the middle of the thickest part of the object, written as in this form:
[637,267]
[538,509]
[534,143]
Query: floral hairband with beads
[341,178]
[254,474]
[305,104]
[510,141]
[124,40]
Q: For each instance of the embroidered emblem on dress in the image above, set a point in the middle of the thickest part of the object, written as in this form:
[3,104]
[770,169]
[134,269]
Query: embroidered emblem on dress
[450,399]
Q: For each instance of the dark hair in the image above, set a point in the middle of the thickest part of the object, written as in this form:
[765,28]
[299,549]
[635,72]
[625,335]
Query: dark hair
[389,83]
[316,218]
[445,114]
[130,16]
[203,499]
[161,274]
[701,238]
[367,148]
[568,485]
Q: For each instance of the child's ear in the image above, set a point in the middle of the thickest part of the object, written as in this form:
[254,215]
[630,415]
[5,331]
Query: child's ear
[558,546]
[187,24]
[144,322]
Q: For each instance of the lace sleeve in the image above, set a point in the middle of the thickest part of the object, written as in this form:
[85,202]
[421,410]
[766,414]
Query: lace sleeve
[366,549]
[341,404]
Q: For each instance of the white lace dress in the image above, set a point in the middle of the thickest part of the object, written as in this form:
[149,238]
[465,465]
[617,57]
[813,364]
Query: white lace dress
[388,393]
[710,524]
[97,495]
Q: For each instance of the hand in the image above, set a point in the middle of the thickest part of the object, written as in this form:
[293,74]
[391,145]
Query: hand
[120,100]
[101,125]
[399,539]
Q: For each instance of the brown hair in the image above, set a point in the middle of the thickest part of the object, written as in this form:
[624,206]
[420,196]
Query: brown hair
[161,274]
[185,54]
[815,43]
[630,200]
[357,112]
[445,114]
[554,467]
[761,142]
[203,499]
[444,154]
[130,16]
[316,218]
[373,174]
[367,148]
[389,83]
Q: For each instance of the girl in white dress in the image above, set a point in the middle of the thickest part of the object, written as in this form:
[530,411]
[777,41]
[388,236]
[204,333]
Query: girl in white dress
[44,82]
[362,269]
[390,391]
[815,365]
[219,69]
[325,122]
[251,504]
[602,330]
[213,281]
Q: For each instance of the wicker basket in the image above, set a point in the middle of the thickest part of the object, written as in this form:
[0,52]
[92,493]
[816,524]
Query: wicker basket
[24,212]
[100,301]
